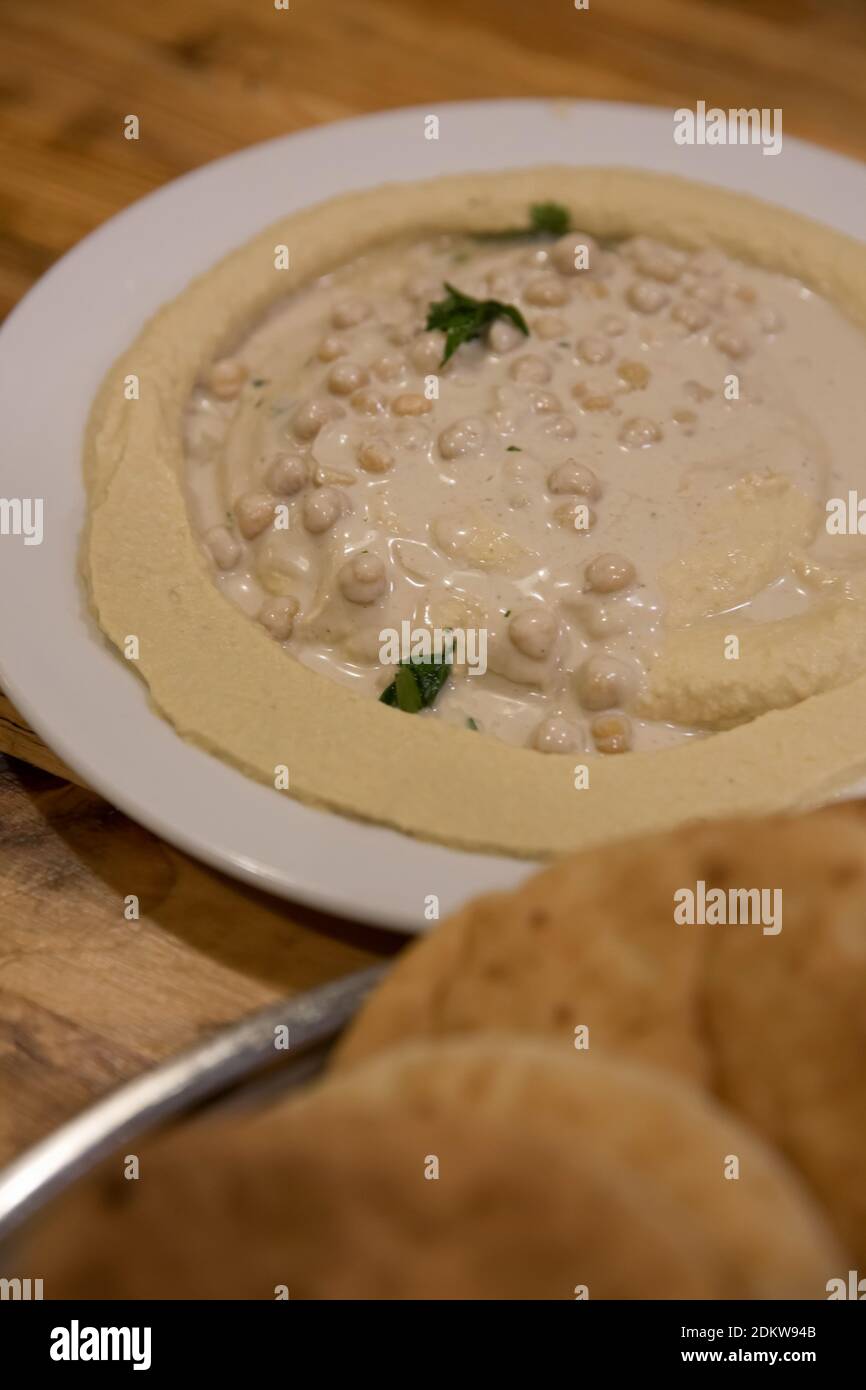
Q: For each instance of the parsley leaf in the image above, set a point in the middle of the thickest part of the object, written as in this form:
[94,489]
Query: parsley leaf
[545,219]
[550,219]
[416,685]
[461,318]
[408,690]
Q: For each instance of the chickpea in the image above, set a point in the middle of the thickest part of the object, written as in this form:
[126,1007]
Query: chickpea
[411,433]
[696,391]
[744,293]
[223,547]
[604,264]
[594,349]
[332,347]
[332,477]
[226,378]
[658,262]
[465,436]
[375,456]
[546,291]
[691,314]
[348,313]
[686,419]
[530,370]
[499,286]
[399,334]
[420,289]
[639,433]
[608,573]
[410,404]
[278,616]
[633,247]
[322,508]
[706,292]
[635,375]
[549,326]
[533,633]
[367,401]
[427,351]
[646,297]
[346,377]
[613,325]
[558,735]
[560,427]
[708,262]
[732,343]
[253,512]
[595,400]
[363,578]
[388,367]
[309,418]
[286,475]
[503,336]
[573,477]
[545,403]
[612,733]
[604,681]
[573,253]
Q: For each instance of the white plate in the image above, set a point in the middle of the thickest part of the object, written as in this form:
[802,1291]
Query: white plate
[58,343]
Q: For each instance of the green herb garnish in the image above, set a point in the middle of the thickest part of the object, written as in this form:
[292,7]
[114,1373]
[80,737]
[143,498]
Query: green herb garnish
[416,685]
[545,219]
[407,690]
[259,381]
[470,724]
[461,318]
[550,219]
[513,449]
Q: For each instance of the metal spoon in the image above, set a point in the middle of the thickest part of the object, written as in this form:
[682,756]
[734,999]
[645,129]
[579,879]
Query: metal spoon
[223,1065]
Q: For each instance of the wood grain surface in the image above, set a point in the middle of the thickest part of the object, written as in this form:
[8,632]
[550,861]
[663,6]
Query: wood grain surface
[87,998]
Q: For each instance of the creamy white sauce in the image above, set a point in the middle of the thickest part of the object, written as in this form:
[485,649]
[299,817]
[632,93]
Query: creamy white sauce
[636,348]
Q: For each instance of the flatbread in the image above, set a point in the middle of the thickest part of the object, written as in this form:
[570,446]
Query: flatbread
[772,1025]
[479,1169]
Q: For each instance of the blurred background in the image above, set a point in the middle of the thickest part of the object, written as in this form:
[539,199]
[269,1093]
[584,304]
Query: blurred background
[210,76]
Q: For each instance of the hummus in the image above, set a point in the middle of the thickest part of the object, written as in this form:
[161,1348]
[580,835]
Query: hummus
[614,491]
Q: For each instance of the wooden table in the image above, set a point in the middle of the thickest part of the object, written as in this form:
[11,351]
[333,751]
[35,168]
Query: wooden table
[88,999]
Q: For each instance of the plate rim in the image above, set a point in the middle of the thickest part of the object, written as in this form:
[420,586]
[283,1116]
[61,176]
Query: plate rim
[489,870]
